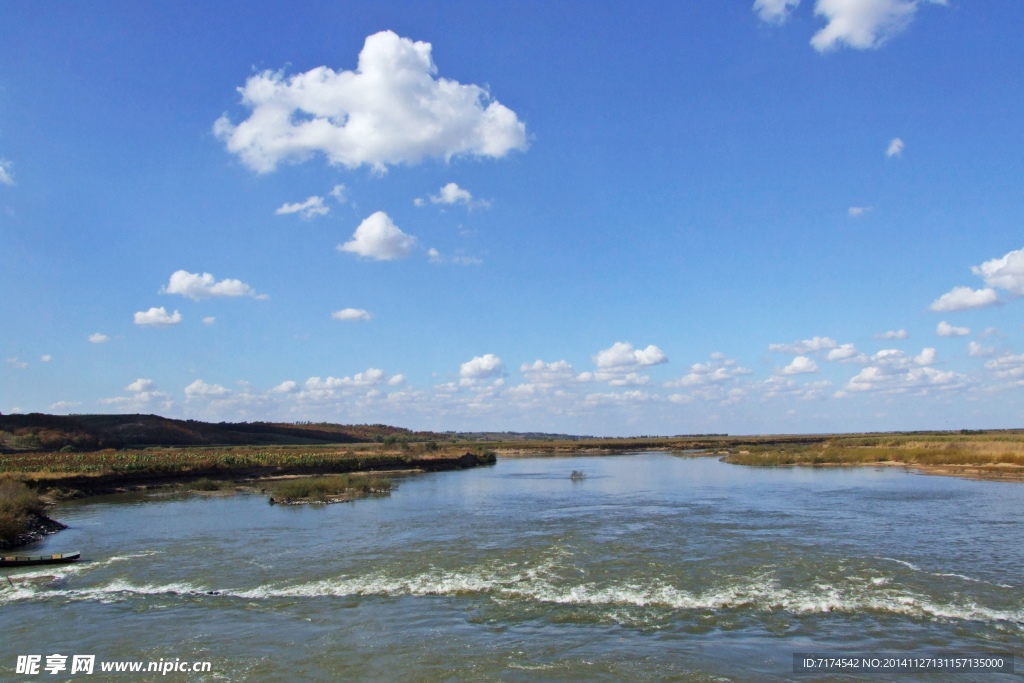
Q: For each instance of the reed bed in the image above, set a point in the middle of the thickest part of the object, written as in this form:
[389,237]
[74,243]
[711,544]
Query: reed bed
[917,452]
[323,488]
[171,461]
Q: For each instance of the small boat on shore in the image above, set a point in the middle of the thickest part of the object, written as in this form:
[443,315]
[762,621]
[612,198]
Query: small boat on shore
[26,560]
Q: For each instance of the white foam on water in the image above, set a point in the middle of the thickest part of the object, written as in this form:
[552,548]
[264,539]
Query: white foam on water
[543,584]
[950,575]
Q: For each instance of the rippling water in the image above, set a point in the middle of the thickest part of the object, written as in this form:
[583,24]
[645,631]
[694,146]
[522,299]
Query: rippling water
[653,568]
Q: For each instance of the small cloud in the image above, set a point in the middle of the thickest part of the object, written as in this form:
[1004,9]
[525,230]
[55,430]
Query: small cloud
[397,380]
[856,211]
[419,201]
[209,320]
[205,286]
[962,298]
[140,385]
[157,317]
[944,329]
[927,357]
[379,238]
[288,387]
[459,259]
[801,365]
[622,355]
[805,346]
[990,332]
[351,314]
[453,194]
[774,11]
[893,334]
[200,389]
[98,338]
[895,148]
[976,350]
[339,194]
[64,405]
[311,208]
[16,364]
[46,359]
[6,178]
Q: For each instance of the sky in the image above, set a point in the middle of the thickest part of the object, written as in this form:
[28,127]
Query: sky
[613,219]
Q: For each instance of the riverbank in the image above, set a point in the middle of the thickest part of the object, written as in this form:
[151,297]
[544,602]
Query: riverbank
[979,457]
[32,481]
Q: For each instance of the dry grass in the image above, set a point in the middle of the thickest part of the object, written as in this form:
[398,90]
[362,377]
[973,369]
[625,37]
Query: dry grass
[17,505]
[932,451]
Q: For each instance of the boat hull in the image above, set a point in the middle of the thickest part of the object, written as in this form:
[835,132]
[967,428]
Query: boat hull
[27,560]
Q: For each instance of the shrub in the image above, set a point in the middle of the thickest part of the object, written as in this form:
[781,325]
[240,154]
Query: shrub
[18,503]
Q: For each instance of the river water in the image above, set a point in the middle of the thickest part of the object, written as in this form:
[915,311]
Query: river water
[654,568]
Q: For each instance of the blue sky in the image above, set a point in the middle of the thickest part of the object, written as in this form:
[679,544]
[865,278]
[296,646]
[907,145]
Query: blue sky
[581,217]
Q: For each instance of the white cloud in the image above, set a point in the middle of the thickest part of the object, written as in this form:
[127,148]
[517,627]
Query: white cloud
[141,385]
[286,387]
[338,192]
[976,350]
[379,238]
[17,364]
[774,11]
[46,359]
[6,177]
[390,110]
[847,353]
[482,367]
[312,207]
[1005,273]
[453,194]
[351,314]
[962,298]
[1007,367]
[397,380]
[921,379]
[856,211]
[458,258]
[200,389]
[205,286]
[944,329]
[718,371]
[927,356]
[64,405]
[801,365]
[622,356]
[157,317]
[548,374]
[990,332]
[97,338]
[862,24]
[209,320]
[631,379]
[895,148]
[805,346]
[893,334]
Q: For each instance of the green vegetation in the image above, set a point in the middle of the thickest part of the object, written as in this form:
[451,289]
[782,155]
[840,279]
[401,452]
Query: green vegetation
[322,489]
[206,484]
[18,504]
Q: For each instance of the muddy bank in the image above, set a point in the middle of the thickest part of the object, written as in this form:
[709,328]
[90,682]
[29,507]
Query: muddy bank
[39,526]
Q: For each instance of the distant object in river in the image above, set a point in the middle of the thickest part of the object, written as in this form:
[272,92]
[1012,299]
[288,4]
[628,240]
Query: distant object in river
[577,476]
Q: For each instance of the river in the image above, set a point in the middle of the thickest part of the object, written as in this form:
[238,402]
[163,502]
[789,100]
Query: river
[653,568]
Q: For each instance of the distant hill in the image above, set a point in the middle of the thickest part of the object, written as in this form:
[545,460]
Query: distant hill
[38,431]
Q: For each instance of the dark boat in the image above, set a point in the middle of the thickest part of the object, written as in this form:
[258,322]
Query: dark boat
[25,560]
